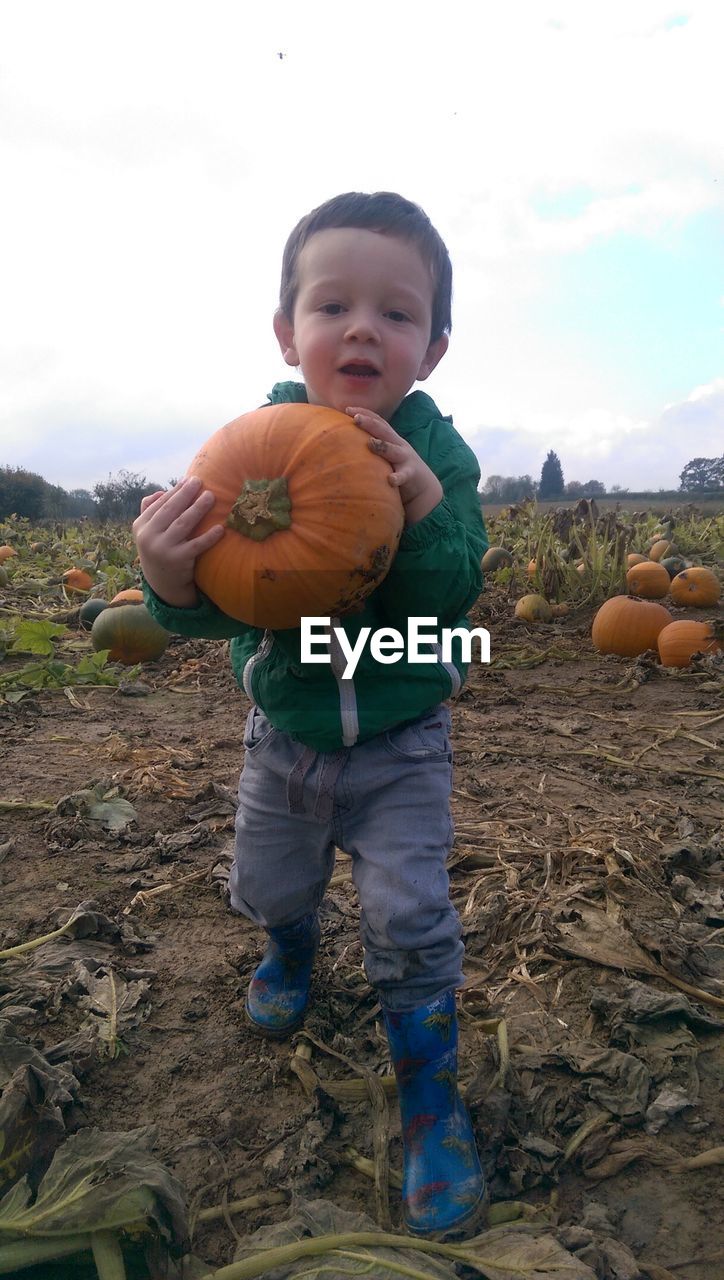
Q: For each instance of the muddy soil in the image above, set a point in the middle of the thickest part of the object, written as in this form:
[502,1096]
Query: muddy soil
[581,784]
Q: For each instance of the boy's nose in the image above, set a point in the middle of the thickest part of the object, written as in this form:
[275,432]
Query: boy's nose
[362,326]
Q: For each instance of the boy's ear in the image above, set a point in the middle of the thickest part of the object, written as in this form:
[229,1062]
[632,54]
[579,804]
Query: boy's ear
[284,331]
[433,356]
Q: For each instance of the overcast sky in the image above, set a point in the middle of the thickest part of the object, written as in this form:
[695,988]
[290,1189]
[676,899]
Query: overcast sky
[154,157]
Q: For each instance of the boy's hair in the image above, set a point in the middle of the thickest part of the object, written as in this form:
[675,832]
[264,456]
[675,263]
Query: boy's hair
[387,213]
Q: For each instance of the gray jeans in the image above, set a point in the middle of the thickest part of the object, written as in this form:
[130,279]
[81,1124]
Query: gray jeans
[386,803]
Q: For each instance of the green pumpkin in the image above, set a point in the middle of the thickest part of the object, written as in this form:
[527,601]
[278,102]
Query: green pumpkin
[496,558]
[675,564]
[130,634]
[89,611]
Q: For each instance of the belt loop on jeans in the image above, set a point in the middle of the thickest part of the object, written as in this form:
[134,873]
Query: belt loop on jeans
[295,780]
[329,774]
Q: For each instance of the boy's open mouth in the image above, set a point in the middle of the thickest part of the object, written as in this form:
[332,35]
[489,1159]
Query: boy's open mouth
[359,371]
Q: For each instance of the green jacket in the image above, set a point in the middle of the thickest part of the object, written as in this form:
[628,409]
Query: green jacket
[435,574]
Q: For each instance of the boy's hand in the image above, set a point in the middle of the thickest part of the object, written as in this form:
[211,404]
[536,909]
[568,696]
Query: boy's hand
[166,549]
[419,487]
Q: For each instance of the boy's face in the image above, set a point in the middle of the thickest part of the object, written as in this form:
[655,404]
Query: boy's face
[361,326]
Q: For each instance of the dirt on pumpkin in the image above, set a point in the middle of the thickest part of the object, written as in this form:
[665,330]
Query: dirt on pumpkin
[587,869]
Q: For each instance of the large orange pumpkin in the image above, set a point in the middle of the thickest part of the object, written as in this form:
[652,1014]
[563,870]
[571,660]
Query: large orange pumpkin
[697,586]
[311,521]
[628,627]
[679,641]
[648,579]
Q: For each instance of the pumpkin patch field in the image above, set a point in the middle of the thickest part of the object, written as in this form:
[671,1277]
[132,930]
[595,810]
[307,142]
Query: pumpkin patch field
[148,1131]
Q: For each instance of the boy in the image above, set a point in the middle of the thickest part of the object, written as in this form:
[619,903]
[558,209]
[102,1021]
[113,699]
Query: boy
[364,763]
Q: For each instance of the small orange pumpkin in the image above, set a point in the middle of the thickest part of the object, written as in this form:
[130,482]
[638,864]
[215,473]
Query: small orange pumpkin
[635,557]
[311,521]
[77,580]
[532,568]
[130,634]
[697,586]
[6,552]
[132,595]
[679,641]
[648,579]
[662,548]
[628,627]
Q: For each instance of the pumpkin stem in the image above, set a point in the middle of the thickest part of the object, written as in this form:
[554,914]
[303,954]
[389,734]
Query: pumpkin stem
[262,507]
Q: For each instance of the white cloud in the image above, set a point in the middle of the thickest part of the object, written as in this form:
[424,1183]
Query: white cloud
[600,445]
[155,156]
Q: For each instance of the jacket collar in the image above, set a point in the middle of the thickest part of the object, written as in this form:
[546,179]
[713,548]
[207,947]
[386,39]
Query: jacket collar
[417,408]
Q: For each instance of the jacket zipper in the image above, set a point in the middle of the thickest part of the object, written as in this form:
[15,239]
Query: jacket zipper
[263,651]
[450,668]
[347,695]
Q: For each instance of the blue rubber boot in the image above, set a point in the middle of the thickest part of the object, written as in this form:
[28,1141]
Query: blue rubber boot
[443,1184]
[279,989]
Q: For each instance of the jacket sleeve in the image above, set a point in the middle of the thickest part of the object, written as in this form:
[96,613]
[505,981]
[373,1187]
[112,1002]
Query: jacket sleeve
[436,572]
[205,622]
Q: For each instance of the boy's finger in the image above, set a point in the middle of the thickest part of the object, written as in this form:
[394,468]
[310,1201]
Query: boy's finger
[150,498]
[206,540]
[173,503]
[371,422]
[198,508]
[385,447]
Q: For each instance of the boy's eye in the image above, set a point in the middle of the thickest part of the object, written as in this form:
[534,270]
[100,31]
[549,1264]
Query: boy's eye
[332,308]
[397,316]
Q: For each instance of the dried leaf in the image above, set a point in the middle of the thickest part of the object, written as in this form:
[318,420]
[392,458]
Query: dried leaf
[97,1181]
[596,936]
[529,1257]
[114,1005]
[31,1120]
[500,1254]
[99,804]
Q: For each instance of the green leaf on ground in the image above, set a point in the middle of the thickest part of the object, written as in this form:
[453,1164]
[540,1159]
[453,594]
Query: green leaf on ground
[36,637]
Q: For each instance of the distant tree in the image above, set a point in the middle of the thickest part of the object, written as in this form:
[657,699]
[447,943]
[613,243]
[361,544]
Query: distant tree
[120,497]
[520,488]
[551,477]
[493,487]
[21,492]
[81,503]
[617,488]
[702,474]
[56,502]
[509,488]
[584,489]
